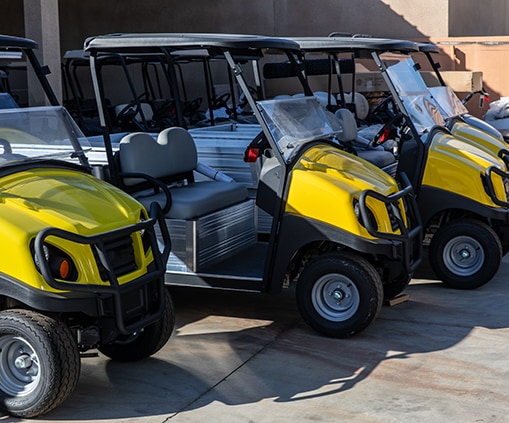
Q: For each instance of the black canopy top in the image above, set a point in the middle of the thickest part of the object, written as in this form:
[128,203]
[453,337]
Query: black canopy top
[214,43]
[7,41]
[428,48]
[349,44]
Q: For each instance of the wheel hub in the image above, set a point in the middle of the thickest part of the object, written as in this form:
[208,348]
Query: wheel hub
[19,366]
[335,297]
[464,255]
[23,361]
[338,295]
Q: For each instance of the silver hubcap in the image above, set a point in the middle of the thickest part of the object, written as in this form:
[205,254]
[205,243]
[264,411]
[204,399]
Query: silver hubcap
[463,256]
[19,366]
[335,297]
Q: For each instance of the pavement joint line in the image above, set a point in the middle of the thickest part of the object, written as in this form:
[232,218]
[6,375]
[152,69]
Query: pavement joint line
[287,327]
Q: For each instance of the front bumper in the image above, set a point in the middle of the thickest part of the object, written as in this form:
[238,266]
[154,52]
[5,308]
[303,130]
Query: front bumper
[132,305]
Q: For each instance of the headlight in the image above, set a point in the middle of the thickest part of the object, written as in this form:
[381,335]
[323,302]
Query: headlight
[60,264]
[392,211]
[373,225]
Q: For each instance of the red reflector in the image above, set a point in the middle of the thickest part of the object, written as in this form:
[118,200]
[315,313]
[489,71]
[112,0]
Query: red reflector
[64,269]
[386,133]
[252,154]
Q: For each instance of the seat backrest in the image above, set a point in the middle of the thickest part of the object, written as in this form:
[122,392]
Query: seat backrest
[172,157]
[180,150]
[348,123]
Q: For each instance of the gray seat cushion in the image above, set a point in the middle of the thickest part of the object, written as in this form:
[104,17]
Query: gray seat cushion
[197,199]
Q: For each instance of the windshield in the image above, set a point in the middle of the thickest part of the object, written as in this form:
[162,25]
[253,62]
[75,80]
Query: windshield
[408,81]
[41,132]
[295,121]
[423,112]
[406,78]
[449,102]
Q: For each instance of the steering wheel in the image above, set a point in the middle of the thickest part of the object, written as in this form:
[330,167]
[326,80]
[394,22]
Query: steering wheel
[127,114]
[221,101]
[386,132]
[6,145]
[193,106]
[384,110]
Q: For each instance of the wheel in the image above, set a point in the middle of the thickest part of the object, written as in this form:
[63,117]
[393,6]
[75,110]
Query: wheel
[465,254]
[39,363]
[339,295]
[396,286]
[146,342]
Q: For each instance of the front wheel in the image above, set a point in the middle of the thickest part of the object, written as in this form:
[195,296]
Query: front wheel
[146,342]
[339,294]
[465,254]
[39,363]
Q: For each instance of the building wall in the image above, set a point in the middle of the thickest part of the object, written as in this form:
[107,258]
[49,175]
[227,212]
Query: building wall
[432,19]
[474,17]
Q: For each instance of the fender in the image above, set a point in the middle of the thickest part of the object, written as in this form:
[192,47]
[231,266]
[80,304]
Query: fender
[434,200]
[297,231]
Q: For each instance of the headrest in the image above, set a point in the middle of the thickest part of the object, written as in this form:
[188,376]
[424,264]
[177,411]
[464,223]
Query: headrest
[361,104]
[347,121]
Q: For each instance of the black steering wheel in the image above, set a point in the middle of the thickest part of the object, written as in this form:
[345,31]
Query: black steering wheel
[221,101]
[384,110]
[193,106]
[127,114]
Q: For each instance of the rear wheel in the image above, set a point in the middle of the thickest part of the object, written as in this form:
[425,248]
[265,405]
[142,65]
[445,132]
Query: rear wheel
[465,254]
[39,363]
[146,342]
[339,295]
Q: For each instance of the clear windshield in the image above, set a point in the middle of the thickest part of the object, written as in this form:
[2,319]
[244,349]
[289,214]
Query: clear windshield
[423,112]
[449,102]
[406,78]
[36,133]
[408,81]
[297,121]
[422,106]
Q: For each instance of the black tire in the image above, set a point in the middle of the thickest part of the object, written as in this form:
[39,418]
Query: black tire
[358,288]
[145,343]
[39,363]
[395,287]
[465,254]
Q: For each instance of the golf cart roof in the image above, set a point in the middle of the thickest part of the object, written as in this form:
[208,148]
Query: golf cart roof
[213,43]
[354,43]
[10,42]
[428,48]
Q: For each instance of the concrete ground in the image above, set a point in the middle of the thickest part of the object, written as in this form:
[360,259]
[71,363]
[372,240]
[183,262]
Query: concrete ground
[443,356]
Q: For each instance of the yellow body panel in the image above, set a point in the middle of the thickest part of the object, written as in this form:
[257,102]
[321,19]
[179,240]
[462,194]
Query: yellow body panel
[456,166]
[73,201]
[478,137]
[326,182]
